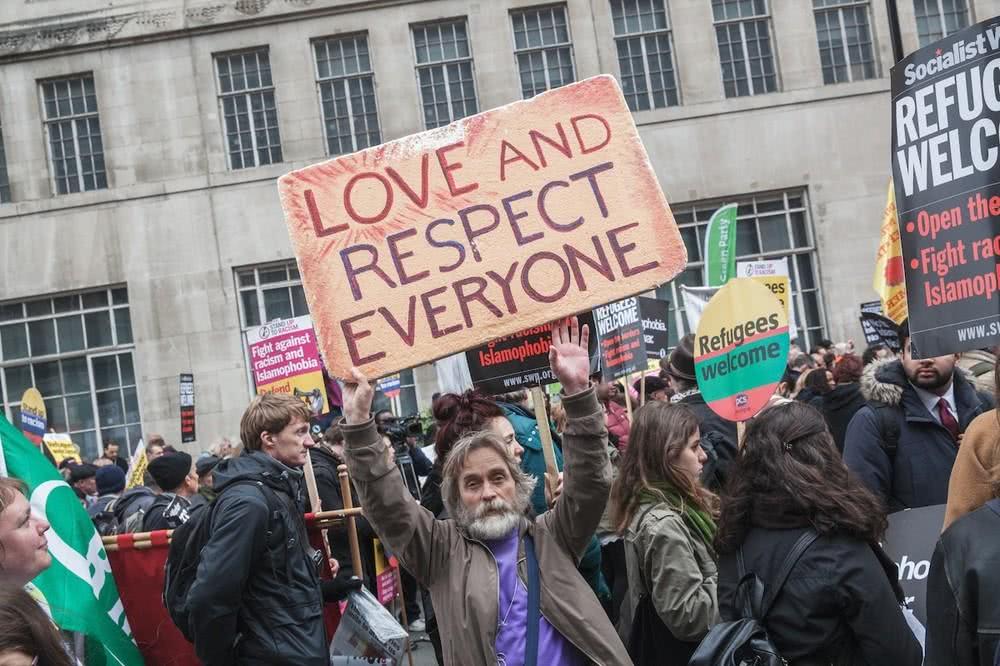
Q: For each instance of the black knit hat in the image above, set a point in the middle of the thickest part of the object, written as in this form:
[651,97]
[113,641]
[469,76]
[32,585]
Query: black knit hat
[81,472]
[653,384]
[110,479]
[170,469]
[680,363]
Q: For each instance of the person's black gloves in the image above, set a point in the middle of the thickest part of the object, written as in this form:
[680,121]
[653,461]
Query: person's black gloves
[338,588]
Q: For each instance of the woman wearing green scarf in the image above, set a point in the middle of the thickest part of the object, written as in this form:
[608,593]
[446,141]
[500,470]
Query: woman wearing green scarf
[667,519]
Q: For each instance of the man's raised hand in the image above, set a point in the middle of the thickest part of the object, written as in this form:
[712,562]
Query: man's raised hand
[568,355]
[358,396]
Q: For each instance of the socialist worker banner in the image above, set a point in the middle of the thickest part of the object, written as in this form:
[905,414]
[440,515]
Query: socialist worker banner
[945,113]
[435,243]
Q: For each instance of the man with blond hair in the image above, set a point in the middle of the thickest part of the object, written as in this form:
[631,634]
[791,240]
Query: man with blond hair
[257,597]
[486,564]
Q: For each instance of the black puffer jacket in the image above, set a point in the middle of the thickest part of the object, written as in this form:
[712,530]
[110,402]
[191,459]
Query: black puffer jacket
[918,473]
[256,599]
[838,407]
[840,605]
[963,616]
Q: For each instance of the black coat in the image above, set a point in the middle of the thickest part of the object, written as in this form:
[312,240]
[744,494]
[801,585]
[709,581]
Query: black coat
[838,407]
[718,438]
[918,474]
[328,486]
[168,511]
[256,599]
[963,616]
[839,606]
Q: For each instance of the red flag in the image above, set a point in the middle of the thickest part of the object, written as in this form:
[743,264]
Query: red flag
[139,577]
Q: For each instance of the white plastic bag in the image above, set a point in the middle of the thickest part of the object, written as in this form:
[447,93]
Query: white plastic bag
[367,629]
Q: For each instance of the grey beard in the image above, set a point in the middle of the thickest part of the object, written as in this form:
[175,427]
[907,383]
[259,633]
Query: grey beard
[490,528]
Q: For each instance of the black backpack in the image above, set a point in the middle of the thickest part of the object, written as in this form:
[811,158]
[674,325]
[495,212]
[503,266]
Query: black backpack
[744,642]
[184,556]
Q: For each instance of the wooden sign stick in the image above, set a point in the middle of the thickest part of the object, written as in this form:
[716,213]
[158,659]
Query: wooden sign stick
[352,526]
[314,500]
[542,420]
[741,429]
[642,390]
[628,401]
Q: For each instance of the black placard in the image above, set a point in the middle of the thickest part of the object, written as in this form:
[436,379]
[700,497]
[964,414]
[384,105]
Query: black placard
[945,169]
[619,331]
[655,315]
[910,542]
[521,360]
[187,408]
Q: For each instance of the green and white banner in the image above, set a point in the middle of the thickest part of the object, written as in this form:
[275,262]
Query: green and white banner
[720,247]
[78,586]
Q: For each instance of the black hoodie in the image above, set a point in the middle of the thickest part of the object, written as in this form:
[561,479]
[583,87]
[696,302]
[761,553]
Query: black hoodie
[257,599]
[839,406]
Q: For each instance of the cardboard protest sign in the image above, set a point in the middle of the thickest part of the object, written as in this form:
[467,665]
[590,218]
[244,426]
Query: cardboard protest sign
[435,243]
[619,333]
[947,179]
[137,466]
[61,447]
[285,359]
[521,360]
[741,349]
[655,327]
[773,274]
[33,416]
[695,301]
[720,246]
[910,542]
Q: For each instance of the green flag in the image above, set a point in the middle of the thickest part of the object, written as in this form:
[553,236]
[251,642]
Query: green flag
[720,247]
[80,591]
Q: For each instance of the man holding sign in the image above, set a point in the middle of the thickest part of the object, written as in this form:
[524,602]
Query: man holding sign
[494,574]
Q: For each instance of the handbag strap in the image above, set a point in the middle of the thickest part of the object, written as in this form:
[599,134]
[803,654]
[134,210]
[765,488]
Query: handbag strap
[791,559]
[534,613]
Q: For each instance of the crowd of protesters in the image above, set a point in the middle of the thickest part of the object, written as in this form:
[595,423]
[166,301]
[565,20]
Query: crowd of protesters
[660,526]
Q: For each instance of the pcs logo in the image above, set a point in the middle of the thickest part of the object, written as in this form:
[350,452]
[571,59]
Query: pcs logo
[742,400]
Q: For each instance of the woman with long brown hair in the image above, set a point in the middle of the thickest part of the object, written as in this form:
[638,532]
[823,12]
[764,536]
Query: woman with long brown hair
[27,635]
[667,520]
[841,602]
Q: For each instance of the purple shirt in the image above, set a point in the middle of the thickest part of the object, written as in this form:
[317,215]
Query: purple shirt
[512,616]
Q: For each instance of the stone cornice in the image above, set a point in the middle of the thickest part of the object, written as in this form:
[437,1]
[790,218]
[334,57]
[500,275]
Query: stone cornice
[158,20]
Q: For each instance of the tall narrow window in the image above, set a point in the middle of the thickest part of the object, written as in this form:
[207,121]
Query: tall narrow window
[645,53]
[743,31]
[845,40]
[250,117]
[347,94]
[444,72]
[76,151]
[4,181]
[543,49]
[939,18]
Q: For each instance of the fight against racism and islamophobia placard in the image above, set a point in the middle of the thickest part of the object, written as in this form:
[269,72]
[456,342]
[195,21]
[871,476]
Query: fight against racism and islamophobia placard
[945,152]
[521,360]
[284,356]
[438,242]
[741,349]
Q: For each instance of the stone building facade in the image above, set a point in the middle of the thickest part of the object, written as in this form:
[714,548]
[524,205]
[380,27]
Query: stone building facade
[141,142]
